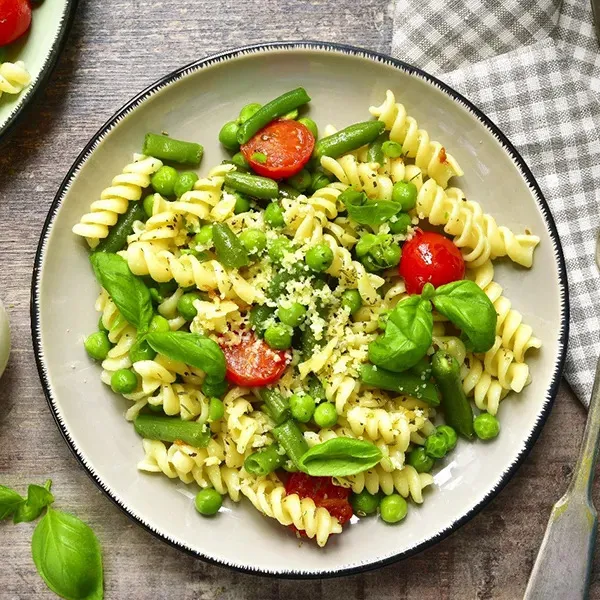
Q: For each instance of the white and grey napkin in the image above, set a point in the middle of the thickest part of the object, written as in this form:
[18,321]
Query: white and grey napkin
[533,66]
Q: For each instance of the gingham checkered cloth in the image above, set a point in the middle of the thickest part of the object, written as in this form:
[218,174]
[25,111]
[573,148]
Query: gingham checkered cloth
[533,66]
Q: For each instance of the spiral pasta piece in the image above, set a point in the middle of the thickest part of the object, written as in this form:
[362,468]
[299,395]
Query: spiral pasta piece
[361,176]
[289,509]
[500,362]
[377,423]
[430,156]
[114,200]
[13,77]
[180,399]
[477,382]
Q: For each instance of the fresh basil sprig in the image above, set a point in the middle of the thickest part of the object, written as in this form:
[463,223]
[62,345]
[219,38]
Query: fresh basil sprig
[407,337]
[192,349]
[468,307]
[365,211]
[23,510]
[128,292]
[340,457]
[67,555]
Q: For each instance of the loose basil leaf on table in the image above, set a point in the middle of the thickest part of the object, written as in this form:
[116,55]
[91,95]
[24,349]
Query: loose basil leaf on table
[340,457]
[365,211]
[9,502]
[38,497]
[192,349]
[407,337]
[67,555]
[127,291]
[467,306]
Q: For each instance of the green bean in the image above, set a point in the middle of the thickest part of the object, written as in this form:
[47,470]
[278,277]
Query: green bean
[117,236]
[349,139]
[375,151]
[258,317]
[265,461]
[166,148]
[239,160]
[402,383]
[230,251]
[287,191]
[171,429]
[277,405]
[422,369]
[276,108]
[290,437]
[282,278]
[315,388]
[253,185]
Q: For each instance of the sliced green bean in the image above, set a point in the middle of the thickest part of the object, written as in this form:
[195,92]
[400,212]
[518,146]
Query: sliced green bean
[253,185]
[171,429]
[265,461]
[290,437]
[287,191]
[277,405]
[375,151]
[278,107]
[166,148]
[349,139]
[117,237]
[230,251]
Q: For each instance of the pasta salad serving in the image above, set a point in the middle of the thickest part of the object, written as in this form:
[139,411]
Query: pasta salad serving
[313,324]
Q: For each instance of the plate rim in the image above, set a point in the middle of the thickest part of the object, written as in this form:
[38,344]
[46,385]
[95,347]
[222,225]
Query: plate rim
[353,51]
[58,45]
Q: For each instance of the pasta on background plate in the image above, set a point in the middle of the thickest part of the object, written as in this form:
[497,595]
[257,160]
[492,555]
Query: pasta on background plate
[314,323]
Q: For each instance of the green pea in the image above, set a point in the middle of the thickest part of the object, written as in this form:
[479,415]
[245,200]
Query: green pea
[208,502]
[325,415]
[405,194]
[486,426]
[435,446]
[185,305]
[148,205]
[97,345]
[292,315]
[319,257]
[310,125]
[163,181]
[401,223]
[279,336]
[228,136]
[351,299]
[319,181]
[141,350]
[393,508]
[274,215]
[159,324]
[185,183]
[242,203]
[259,157]
[302,407]
[364,503]
[391,149]
[216,409]
[279,247]
[391,255]
[300,181]
[123,381]
[239,160]
[204,236]
[214,389]
[418,459]
[449,435]
[248,111]
[254,240]
[258,316]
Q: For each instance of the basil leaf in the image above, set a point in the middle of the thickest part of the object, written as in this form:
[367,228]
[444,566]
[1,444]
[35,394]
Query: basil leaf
[9,502]
[67,555]
[192,349]
[467,306]
[38,498]
[340,457]
[407,337]
[127,291]
[365,211]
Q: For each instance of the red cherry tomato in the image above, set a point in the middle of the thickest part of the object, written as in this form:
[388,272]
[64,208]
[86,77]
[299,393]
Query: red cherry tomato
[324,493]
[287,146]
[15,18]
[252,363]
[430,258]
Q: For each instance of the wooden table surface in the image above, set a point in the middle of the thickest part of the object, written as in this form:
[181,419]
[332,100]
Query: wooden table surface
[115,49]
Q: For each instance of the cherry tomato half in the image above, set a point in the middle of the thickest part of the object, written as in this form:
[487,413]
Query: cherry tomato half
[15,18]
[285,145]
[430,258]
[252,363]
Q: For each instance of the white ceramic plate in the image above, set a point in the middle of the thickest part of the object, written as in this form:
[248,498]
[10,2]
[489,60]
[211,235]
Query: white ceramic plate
[39,50]
[192,103]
